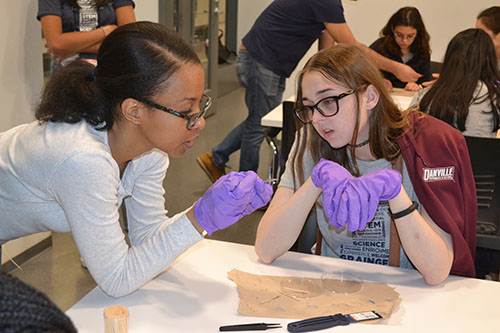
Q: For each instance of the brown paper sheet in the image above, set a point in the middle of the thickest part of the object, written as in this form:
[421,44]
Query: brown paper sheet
[262,296]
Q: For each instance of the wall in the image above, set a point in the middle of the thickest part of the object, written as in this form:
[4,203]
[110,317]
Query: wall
[146,10]
[21,76]
[21,80]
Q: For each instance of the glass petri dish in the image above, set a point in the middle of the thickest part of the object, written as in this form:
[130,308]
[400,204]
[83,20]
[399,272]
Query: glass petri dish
[341,282]
[298,287]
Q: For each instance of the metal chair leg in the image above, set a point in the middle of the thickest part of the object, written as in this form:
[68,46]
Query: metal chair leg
[273,171]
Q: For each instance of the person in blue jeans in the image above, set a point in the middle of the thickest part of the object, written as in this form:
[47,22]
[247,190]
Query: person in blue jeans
[264,91]
[270,51]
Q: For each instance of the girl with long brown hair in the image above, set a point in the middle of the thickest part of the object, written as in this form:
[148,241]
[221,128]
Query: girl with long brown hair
[341,165]
[467,92]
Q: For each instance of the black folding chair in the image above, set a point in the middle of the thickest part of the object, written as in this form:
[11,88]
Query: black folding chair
[307,237]
[280,154]
[485,160]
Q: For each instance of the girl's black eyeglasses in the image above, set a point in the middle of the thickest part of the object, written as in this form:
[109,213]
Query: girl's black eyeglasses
[327,107]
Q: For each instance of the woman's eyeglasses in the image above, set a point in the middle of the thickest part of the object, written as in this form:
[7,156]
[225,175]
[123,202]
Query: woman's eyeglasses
[327,107]
[205,103]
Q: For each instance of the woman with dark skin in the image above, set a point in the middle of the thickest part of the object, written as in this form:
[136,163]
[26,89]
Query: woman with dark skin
[103,137]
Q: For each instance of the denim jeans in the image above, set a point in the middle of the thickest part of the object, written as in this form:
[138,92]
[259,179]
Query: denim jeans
[264,91]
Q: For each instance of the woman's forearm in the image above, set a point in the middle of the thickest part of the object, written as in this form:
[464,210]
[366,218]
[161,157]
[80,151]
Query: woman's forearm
[428,247]
[70,42]
[402,71]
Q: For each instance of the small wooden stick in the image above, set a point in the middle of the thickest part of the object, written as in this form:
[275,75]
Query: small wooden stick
[298,290]
[282,293]
[270,299]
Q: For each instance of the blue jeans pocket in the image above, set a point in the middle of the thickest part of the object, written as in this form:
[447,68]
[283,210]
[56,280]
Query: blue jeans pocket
[270,82]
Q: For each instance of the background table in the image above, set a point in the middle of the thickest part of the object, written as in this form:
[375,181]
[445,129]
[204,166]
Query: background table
[195,295]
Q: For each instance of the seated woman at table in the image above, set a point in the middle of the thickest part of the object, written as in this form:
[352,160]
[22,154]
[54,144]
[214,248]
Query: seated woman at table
[466,94]
[405,39]
[342,164]
[103,136]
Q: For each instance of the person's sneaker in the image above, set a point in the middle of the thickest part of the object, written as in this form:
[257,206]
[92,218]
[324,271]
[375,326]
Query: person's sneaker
[206,164]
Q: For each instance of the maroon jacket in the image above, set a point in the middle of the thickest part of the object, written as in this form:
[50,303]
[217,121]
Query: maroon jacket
[438,163]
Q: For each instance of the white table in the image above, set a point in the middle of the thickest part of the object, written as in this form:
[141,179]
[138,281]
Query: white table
[275,118]
[195,295]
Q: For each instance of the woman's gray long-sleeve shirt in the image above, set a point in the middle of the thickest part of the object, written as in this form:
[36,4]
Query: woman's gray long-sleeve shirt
[62,177]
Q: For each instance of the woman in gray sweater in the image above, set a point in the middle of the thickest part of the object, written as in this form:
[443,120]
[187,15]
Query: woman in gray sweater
[103,136]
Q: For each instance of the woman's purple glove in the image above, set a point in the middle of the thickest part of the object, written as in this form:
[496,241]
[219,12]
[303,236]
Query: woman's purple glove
[331,177]
[358,202]
[230,198]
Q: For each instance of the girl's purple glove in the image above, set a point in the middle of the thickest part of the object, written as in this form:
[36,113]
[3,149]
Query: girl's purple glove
[230,198]
[331,177]
[358,202]
[350,200]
